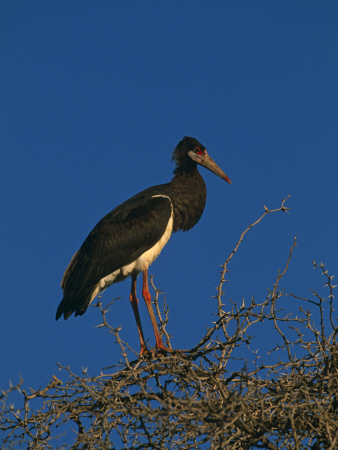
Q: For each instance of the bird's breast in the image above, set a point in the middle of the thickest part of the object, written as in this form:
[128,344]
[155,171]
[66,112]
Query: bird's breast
[142,262]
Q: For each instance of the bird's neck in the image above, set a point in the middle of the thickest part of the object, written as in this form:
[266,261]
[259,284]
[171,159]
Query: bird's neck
[188,194]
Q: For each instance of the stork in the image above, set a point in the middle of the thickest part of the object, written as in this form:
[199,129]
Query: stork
[129,238]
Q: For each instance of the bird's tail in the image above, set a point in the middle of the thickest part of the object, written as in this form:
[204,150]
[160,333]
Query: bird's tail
[64,308]
[74,304]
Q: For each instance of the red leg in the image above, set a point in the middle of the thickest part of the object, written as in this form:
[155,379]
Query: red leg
[147,298]
[134,303]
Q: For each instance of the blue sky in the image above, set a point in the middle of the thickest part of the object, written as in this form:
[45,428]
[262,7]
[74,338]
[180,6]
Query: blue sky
[94,97]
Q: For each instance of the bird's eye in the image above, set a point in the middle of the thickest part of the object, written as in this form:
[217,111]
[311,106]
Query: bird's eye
[198,151]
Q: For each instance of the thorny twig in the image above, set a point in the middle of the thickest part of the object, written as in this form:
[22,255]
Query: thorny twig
[201,399]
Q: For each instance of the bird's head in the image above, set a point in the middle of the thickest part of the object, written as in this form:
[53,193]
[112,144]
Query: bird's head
[190,152]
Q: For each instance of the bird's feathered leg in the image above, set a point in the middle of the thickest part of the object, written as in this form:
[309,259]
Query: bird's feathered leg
[147,298]
[134,303]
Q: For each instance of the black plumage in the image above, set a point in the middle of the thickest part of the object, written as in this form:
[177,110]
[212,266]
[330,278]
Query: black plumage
[118,239]
[127,239]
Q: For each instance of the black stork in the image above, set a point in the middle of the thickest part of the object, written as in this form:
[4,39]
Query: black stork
[128,239]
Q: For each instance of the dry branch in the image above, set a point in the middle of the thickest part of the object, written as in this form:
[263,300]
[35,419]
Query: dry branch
[212,396]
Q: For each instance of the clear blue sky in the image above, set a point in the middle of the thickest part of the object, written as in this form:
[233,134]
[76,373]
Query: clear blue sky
[94,97]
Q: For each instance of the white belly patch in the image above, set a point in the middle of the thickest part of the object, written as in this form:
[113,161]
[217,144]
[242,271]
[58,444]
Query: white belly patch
[141,263]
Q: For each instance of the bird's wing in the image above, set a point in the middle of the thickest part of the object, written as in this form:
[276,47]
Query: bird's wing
[117,240]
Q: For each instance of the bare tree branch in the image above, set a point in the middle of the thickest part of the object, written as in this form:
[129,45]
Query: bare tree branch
[217,395]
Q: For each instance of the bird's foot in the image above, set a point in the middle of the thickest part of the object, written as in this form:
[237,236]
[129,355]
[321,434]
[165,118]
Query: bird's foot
[145,352]
[164,349]
[160,349]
